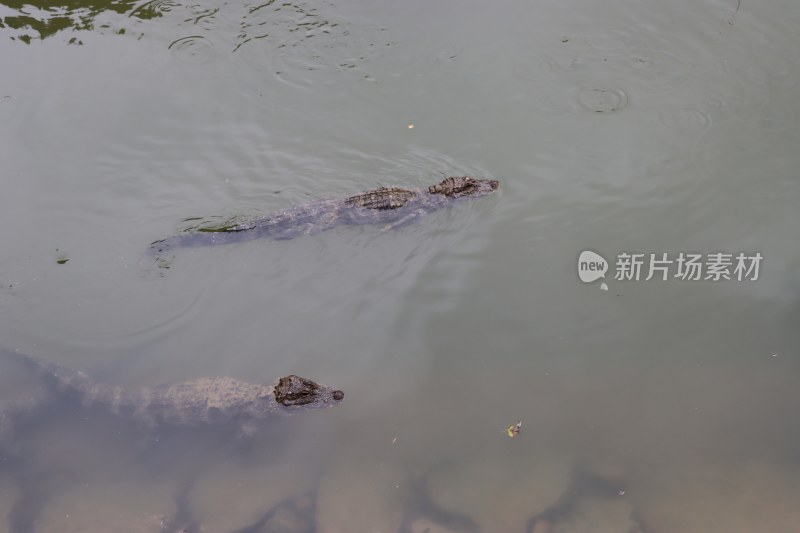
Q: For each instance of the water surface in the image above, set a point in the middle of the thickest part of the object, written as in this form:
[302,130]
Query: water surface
[645,127]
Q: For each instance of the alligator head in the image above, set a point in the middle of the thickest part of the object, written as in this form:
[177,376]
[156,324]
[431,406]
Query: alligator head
[296,391]
[464,186]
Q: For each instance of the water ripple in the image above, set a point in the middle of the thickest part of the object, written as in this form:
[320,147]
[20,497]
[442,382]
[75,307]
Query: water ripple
[154,8]
[292,40]
[685,119]
[660,70]
[754,163]
[194,49]
[622,38]
[602,99]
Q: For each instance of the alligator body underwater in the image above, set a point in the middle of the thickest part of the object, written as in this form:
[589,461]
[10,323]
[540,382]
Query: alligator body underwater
[192,403]
[392,206]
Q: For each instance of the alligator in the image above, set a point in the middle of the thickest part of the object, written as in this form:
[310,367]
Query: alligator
[392,206]
[191,403]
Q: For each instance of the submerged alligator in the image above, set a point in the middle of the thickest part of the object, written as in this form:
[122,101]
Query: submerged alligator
[393,206]
[192,403]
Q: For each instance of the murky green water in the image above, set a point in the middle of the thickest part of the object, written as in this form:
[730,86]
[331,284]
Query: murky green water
[639,127]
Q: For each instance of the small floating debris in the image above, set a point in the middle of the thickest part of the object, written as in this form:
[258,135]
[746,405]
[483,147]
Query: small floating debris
[410,126]
[513,429]
[61,258]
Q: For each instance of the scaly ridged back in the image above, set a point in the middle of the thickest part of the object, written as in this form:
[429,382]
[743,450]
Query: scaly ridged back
[383,198]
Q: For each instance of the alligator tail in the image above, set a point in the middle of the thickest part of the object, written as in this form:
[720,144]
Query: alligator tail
[206,238]
[75,383]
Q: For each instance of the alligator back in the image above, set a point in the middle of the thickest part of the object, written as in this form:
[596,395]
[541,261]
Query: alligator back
[383,198]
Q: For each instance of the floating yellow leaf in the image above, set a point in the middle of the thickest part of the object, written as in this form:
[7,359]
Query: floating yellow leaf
[513,429]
